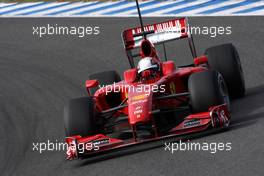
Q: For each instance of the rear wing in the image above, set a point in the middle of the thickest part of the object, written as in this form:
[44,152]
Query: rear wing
[156,33]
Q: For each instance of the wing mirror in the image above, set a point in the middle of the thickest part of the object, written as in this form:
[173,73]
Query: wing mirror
[91,84]
[200,60]
[130,75]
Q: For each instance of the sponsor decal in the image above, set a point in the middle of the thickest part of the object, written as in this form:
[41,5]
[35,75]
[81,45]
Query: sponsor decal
[161,27]
[138,102]
[192,123]
[101,141]
[172,88]
[165,31]
[139,97]
[138,111]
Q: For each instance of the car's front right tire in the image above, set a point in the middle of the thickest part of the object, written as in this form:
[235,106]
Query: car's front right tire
[105,78]
[207,89]
[225,59]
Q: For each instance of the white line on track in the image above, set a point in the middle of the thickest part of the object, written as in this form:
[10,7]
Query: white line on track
[72,12]
[248,6]
[179,7]
[6,4]
[68,7]
[210,7]
[161,3]
[18,6]
[130,4]
[36,8]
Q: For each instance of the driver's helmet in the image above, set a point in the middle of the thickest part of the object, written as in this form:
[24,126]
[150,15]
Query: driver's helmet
[147,67]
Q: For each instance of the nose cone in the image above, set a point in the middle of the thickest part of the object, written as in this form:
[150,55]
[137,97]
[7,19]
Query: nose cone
[139,106]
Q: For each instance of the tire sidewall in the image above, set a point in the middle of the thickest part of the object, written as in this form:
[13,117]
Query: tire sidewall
[205,92]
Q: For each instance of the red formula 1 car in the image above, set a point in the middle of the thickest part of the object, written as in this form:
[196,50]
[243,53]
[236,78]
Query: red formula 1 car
[156,99]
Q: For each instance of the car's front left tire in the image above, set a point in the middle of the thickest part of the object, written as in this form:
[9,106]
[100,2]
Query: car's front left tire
[79,117]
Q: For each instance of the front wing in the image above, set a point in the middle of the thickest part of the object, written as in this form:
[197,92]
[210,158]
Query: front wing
[216,117]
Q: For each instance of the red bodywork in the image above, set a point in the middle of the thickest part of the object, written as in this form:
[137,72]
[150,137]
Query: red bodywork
[141,106]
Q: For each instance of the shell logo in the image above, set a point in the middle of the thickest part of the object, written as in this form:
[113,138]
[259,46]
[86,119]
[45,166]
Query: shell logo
[139,97]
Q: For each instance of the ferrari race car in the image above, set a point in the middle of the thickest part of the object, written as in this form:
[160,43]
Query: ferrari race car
[156,99]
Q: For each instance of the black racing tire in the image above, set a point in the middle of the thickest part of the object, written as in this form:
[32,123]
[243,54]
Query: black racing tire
[207,88]
[225,59]
[105,78]
[79,117]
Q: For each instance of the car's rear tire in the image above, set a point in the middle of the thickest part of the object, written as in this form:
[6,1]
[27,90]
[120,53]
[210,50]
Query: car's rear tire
[105,78]
[225,59]
[207,88]
[79,117]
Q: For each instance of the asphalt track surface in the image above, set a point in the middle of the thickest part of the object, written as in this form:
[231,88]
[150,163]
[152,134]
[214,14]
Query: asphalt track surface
[39,75]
